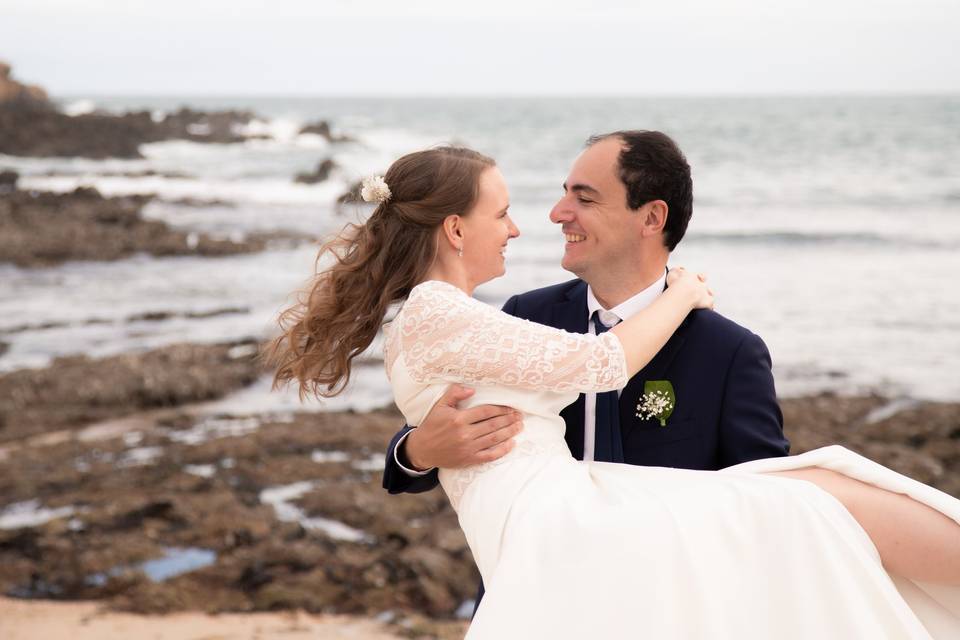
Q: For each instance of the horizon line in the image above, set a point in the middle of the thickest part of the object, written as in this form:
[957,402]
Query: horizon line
[938,93]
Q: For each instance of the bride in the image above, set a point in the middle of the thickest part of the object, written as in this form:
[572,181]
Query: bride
[822,545]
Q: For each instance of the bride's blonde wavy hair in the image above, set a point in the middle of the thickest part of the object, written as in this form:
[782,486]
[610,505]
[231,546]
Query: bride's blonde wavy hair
[375,264]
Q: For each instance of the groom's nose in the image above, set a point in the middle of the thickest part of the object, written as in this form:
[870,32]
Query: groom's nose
[560,212]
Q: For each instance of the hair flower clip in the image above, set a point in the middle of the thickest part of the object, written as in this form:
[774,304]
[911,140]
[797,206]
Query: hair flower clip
[375,189]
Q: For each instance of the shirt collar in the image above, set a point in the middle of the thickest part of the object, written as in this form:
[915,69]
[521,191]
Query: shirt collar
[632,305]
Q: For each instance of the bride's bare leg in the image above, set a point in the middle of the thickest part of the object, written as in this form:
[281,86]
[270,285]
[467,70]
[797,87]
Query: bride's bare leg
[914,540]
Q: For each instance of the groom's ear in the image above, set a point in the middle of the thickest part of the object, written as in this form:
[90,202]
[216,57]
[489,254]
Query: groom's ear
[654,217]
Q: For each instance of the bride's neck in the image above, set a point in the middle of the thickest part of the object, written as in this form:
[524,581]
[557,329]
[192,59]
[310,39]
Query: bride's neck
[454,274]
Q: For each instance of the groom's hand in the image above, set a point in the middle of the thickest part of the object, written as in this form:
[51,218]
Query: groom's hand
[453,438]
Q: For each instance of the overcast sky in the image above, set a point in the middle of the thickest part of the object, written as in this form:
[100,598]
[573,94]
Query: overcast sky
[489,47]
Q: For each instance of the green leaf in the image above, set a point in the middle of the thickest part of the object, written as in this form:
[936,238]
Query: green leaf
[666,388]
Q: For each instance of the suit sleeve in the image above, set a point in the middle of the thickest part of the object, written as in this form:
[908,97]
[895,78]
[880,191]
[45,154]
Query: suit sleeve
[751,423]
[395,479]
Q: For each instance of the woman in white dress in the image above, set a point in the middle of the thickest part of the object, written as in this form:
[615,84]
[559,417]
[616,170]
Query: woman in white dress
[822,545]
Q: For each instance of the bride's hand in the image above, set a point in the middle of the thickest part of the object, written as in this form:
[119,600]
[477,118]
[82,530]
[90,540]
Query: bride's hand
[695,284]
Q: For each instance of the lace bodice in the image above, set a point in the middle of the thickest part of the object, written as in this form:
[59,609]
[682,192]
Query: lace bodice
[447,336]
[441,335]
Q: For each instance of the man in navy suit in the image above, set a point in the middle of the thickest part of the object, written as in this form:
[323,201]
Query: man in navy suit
[626,204]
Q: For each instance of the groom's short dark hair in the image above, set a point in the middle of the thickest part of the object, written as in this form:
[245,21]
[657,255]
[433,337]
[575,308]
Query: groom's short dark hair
[652,167]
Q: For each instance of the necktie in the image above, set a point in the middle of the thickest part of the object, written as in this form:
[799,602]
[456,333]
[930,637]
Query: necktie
[608,444]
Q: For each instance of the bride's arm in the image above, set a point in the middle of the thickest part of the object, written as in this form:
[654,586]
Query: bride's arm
[446,336]
[644,334]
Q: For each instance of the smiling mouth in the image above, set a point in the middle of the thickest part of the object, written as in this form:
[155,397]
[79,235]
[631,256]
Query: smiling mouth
[574,237]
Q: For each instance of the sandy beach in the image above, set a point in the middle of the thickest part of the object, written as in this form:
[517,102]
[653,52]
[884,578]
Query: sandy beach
[26,620]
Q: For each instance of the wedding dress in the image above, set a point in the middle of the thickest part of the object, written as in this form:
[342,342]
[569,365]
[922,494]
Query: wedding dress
[571,549]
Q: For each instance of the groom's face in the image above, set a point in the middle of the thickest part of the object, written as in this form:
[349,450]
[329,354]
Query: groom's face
[596,223]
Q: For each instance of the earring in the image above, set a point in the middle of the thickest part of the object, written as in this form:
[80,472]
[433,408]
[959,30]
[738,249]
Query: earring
[460,252]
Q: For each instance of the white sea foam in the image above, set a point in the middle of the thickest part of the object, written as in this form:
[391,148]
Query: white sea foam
[279,190]
[30,514]
[79,107]
[278,129]
[322,457]
[375,462]
[214,428]
[140,456]
[201,470]
[279,498]
[336,530]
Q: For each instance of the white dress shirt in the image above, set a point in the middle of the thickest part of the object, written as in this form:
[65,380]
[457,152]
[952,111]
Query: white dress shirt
[622,311]
[610,317]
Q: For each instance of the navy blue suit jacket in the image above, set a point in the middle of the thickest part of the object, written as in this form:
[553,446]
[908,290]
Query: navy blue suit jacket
[726,406]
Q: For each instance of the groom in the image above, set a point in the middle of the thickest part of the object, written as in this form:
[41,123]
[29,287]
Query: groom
[626,205]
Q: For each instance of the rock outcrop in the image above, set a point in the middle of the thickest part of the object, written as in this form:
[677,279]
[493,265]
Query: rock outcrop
[321,173]
[41,229]
[15,95]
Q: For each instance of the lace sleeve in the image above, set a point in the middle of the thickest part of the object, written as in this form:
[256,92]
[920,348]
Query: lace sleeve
[448,336]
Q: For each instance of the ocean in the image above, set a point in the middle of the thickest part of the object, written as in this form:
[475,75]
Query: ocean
[830,226]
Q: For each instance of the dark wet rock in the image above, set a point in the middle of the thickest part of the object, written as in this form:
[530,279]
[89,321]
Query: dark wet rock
[50,133]
[157,510]
[8,181]
[322,128]
[321,173]
[4,346]
[199,202]
[43,326]
[146,173]
[77,390]
[157,316]
[42,229]
[350,197]
[45,132]
[201,126]
[39,326]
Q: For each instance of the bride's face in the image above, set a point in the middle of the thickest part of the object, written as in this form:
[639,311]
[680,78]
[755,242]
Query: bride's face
[487,228]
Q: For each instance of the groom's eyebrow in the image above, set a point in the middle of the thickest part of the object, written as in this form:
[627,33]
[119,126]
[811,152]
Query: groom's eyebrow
[581,188]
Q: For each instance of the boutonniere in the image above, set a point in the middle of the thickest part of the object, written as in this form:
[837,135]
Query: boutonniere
[657,401]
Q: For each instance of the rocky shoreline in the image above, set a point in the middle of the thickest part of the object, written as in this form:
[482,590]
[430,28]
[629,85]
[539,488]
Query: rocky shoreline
[107,467]
[75,391]
[33,126]
[39,229]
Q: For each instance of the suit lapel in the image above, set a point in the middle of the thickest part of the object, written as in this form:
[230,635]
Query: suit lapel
[656,369]
[571,315]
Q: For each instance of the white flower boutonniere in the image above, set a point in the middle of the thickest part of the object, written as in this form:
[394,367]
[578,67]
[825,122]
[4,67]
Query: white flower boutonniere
[658,401]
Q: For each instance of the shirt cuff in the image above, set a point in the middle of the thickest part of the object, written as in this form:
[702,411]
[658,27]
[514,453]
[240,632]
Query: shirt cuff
[407,470]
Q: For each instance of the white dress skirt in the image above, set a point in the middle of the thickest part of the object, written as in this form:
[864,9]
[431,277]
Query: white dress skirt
[593,550]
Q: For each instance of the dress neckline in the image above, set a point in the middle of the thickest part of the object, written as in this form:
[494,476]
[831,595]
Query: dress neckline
[442,283]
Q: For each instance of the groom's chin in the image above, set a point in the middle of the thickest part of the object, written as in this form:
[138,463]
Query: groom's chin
[569,264]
